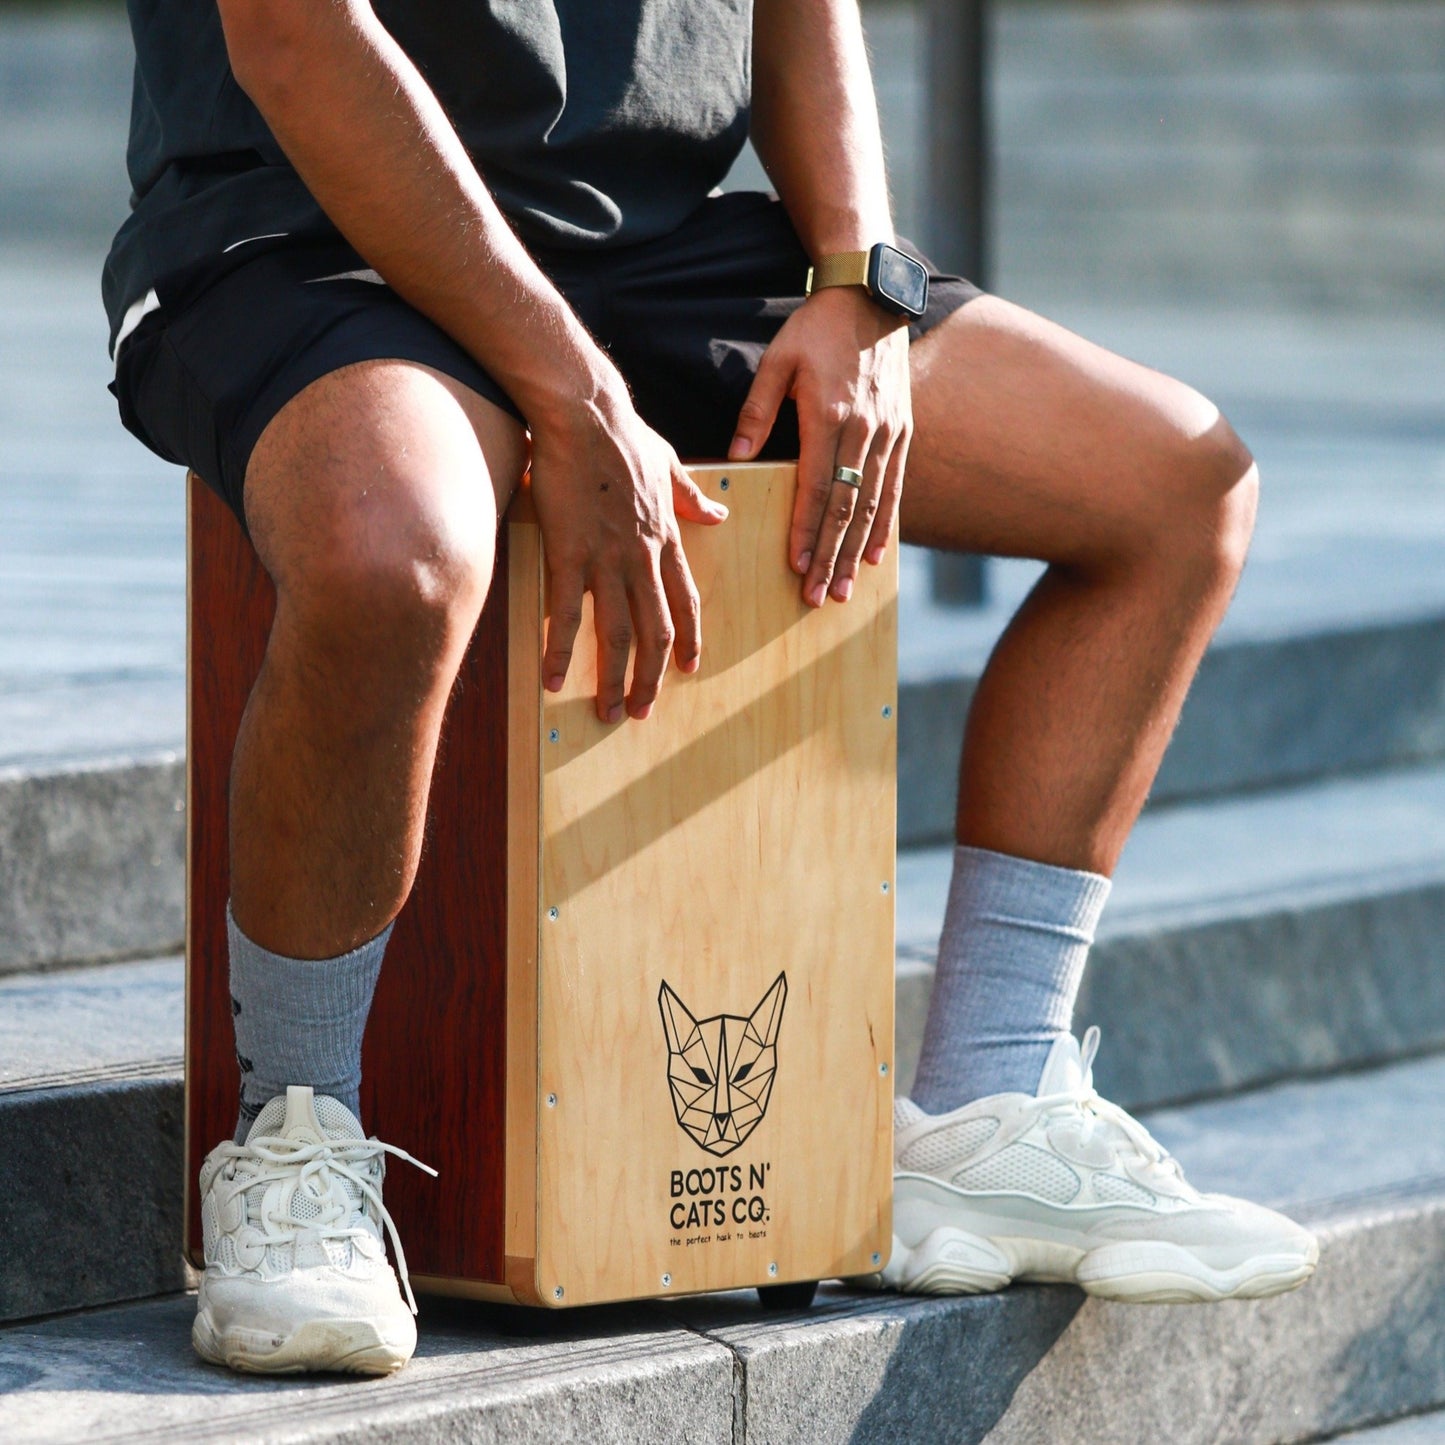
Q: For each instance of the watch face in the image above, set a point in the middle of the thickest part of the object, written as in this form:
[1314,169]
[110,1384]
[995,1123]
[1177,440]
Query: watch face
[899,279]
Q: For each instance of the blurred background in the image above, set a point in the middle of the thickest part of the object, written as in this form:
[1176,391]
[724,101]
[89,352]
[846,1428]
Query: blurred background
[1250,195]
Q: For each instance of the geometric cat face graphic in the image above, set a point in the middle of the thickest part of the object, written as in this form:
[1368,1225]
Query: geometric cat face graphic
[721,1068]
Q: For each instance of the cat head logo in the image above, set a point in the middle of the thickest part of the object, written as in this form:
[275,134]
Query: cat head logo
[721,1068]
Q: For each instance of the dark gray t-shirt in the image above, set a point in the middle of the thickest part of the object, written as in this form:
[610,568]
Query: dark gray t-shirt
[594,123]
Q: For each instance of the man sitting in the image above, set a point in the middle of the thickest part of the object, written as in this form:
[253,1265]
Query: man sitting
[384,255]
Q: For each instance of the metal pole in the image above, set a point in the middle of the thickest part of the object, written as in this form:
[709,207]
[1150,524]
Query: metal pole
[958,195]
[958,151]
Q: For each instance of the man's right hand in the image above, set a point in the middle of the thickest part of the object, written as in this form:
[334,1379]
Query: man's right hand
[609,494]
[375,148]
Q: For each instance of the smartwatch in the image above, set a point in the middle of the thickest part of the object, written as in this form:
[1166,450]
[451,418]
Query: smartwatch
[894,281]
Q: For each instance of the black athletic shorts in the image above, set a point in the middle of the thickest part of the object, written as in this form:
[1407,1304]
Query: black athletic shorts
[686,318]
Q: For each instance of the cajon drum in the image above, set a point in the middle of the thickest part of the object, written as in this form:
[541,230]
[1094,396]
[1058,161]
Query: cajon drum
[639,1008]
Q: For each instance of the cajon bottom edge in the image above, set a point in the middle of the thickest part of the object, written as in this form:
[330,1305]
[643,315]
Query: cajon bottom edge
[467,1289]
[427,1284]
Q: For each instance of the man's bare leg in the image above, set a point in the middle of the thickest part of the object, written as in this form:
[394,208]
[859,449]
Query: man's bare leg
[1141,499]
[373,500]
[1031,442]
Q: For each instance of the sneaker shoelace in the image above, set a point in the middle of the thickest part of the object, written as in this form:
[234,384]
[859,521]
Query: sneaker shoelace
[1097,1111]
[283,1159]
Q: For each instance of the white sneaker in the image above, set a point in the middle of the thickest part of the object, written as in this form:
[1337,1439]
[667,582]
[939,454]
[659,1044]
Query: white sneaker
[296,1273]
[1066,1187]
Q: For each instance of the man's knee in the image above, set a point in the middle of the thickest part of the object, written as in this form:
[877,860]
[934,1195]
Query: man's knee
[1200,530]
[397,580]
[371,502]
[1223,481]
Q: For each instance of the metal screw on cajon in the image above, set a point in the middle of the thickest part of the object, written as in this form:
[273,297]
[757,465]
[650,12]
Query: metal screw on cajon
[664,1174]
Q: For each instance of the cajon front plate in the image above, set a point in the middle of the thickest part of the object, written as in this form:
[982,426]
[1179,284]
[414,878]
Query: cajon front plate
[640,1008]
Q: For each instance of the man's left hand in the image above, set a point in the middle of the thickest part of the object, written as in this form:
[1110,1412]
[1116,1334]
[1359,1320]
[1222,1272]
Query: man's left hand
[844,361]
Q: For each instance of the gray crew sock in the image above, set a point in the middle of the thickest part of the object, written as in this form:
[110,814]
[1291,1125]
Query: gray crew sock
[299,1021]
[1015,938]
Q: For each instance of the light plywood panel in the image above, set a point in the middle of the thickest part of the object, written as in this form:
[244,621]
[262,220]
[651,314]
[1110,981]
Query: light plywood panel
[743,834]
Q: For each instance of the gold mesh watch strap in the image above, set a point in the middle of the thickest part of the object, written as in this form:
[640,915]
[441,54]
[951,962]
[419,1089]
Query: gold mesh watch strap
[846,268]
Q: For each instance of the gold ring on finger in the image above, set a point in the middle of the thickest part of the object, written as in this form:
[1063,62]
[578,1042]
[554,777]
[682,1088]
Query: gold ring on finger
[849,476]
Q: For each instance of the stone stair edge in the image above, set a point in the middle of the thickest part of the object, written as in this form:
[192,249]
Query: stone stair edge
[854,1367]
[1425,1427]
[1248,1373]
[1264,711]
[627,1385]
[38,769]
[56,1136]
[166,1068]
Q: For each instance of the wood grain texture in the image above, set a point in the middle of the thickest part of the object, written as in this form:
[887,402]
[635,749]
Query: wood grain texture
[746,830]
[434,1061]
[524,842]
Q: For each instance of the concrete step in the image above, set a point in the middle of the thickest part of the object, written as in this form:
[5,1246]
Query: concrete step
[1265,710]
[1247,939]
[92,859]
[90,1108]
[92,850]
[1358,1344]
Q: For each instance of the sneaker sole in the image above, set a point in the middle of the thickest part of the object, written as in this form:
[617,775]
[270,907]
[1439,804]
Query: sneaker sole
[952,1261]
[1166,1274]
[351,1347]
